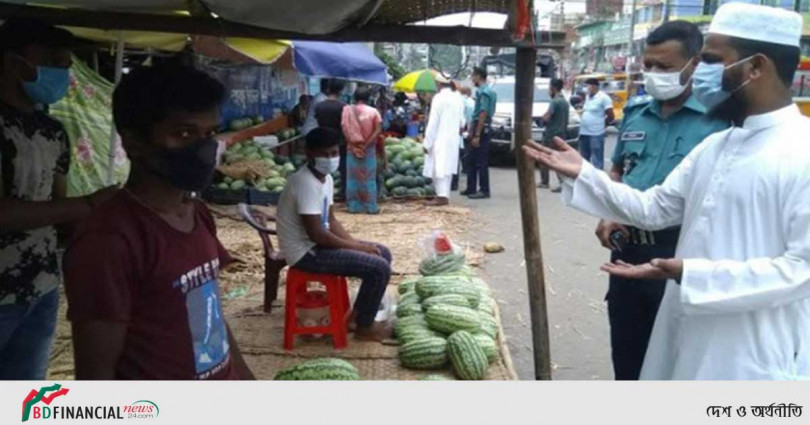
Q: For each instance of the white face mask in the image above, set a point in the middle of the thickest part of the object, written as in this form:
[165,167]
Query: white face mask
[327,165]
[665,85]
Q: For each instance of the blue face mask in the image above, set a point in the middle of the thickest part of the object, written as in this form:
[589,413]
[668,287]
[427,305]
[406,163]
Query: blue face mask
[707,83]
[50,86]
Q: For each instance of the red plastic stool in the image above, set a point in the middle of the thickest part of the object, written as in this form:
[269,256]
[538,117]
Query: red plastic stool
[338,296]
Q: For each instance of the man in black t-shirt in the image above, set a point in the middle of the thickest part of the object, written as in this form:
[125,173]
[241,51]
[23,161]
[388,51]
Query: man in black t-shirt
[329,114]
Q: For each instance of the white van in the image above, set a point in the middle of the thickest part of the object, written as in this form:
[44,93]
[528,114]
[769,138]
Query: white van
[503,142]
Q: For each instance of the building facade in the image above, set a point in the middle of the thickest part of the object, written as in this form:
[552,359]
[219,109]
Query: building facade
[603,45]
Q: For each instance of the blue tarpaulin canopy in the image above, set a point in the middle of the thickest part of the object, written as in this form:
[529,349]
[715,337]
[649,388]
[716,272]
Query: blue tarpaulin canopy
[350,61]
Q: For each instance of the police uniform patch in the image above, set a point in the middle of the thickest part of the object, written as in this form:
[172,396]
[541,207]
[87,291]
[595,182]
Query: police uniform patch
[634,136]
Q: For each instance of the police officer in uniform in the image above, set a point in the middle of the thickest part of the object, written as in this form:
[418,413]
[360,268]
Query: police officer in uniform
[657,132]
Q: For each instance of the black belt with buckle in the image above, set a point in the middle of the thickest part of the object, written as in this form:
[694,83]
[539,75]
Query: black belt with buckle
[661,237]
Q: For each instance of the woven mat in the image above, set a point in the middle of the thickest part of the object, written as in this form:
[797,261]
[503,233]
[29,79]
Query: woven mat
[260,336]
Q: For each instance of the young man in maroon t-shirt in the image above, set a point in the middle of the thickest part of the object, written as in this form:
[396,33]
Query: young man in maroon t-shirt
[141,275]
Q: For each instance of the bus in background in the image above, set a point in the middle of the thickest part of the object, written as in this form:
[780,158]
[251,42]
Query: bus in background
[801,86]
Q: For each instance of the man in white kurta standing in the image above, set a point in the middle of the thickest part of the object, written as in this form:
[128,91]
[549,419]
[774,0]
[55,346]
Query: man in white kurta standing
[737,303]
[442,140]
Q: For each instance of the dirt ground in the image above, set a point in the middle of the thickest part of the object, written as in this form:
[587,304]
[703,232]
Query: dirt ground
[400,226]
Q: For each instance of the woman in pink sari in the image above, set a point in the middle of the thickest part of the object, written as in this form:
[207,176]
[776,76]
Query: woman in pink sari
[362,126]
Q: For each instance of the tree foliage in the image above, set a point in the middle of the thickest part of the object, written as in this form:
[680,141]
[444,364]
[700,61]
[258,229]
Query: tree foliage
[394,68]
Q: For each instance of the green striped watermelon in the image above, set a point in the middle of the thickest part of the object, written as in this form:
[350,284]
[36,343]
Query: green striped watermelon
[489,326]
[464,289]
[448,299]
[427,286]
[409,309]
[414,332]
[487,305]
[425,353]
[442,264]
[323,369]
[407,285]
[408,298]
[451,318]
[413,320]
[481,285]
[468,359]
[488,345]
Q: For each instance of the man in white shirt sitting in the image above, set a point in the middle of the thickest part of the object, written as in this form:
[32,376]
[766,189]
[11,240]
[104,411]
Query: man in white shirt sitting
[312,239]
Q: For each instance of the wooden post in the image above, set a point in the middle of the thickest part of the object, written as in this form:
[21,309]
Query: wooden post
[524,98]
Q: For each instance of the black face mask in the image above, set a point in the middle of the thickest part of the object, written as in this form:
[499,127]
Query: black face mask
[190,168]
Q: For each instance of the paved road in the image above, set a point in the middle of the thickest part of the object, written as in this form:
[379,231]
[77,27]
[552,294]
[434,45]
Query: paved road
[580,343]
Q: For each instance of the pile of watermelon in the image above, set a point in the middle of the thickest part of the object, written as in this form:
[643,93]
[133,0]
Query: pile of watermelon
[447,319]
[403,177]
[276,167]
[287,134]
[243,123]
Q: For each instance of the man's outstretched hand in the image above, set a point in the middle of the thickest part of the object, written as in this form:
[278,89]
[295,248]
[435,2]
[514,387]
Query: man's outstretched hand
[657,269]
[563,158]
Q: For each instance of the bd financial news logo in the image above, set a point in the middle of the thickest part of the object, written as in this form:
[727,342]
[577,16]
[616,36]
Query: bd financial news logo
[37,405]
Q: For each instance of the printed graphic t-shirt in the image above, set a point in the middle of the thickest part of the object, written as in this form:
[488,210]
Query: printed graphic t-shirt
[304,194]
[128,265]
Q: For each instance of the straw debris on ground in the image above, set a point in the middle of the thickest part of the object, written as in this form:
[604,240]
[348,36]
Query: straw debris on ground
[400,226]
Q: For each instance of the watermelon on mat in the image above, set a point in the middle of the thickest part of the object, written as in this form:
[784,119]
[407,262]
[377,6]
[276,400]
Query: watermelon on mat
[416,332]
[451,318]
[446,299]
[466,290]
[468,359]
[324,369]
[488,345]
[425,353]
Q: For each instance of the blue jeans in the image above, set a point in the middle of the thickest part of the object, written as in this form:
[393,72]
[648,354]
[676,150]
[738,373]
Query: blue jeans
[26,333]
[592,148]
[374,271]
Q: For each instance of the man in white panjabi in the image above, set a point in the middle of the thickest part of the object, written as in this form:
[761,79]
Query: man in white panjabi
[737,305]
[442,140]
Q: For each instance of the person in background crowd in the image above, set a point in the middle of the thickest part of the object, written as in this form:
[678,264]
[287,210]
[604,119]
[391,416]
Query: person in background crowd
[298,116]
[311,122]
[657,132]
[398,116]
[329,114]
[362,126]
[597,114]
[469,109]
[480,134]
[442,140]
[312,239]
[34,162]
[737,301]
[142,274]
[556,125]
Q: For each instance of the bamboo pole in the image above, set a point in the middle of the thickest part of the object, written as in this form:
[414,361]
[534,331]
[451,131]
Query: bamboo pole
[524,98]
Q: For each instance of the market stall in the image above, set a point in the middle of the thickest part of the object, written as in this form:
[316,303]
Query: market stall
[379,20]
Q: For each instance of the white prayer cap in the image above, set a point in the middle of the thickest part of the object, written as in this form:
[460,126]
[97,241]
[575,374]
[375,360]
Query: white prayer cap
[441,79]
[760,23]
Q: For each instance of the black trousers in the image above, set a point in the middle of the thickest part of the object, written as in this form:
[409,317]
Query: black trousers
[478,165]
[342,170]
[633,305]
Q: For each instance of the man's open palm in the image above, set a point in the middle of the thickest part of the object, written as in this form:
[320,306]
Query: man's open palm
[562,159]
[657,269]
